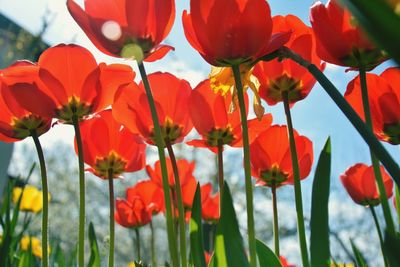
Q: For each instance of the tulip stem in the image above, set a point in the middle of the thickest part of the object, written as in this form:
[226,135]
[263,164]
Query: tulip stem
[375,162]
[81,234]
[152,244]
[371,140]
[397,202]
[276,225]
[112,221]
[45,194]
[137,239]
[160,146]
[297,183]
[378,228]
[247,171]
[220,171]
[181,210]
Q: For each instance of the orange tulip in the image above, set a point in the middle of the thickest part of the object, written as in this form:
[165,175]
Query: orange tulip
[171,96]
[231,32]
[188,181]
[211,117]
[70,83]
[209,204]
[107,145]
[340,40]
[271,160]
[121,28]
[16,122]
[384,99]
[359,182]
[277,76]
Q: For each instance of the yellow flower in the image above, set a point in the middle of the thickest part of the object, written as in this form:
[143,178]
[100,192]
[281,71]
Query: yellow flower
[342,265]
[131,264]
[32,198]
[395,4]
[35,245]
[222,82]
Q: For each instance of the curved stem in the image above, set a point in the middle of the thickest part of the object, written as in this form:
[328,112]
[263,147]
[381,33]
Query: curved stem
[378,229]
[297,184]
[181,210]
[247,171]
[220,172]
[375,163]
[45,194]
[81,234]
[276,225]
[378,149]
[137,243]
[112,221]
[160,146]
[152,244]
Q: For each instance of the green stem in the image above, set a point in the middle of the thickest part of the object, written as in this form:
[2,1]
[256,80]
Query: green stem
[375,162]
[181,210]
[137,244]
[397,201]
[81,233]
[247,171]
[45,193]
[378,229]
[160,146]
[297,184]
[112,221]
[276,225]
[377,148]
[220,172]
[152,244]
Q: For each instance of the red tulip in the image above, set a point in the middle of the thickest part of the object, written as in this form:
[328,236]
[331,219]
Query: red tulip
[187,180]
[339,39]
[271,159]
[107,145]
[285,263]
[16,122]
[118,28]
[359,181]
[231,32]
[171,96]
[384,99]
[149,192]
[209,204]
[277,76]
[215,123]
[133,213]
[70,83]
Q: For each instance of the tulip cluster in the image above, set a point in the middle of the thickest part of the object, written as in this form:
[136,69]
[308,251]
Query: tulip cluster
[115,118]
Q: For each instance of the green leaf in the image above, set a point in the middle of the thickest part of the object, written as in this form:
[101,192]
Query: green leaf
[59,257]
[229,249]
[5,157]
[360,259]
[380,21]
[266,256]
[319,245]
[392,248]
[196,232]
[94,260]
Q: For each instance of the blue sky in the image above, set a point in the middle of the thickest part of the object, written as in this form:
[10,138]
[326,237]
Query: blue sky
[316,117]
